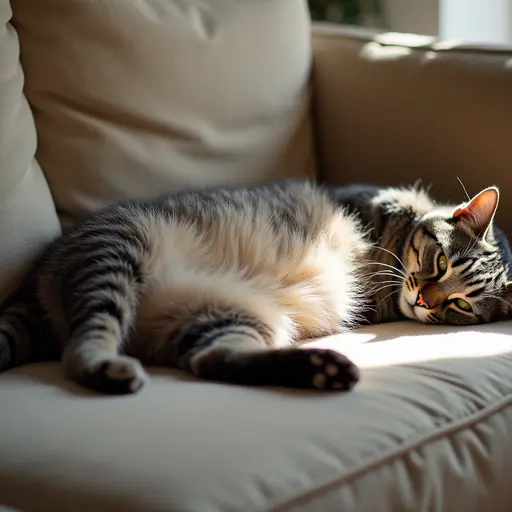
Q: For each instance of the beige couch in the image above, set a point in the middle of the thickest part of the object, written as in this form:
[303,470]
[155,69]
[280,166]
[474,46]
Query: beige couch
[131,98]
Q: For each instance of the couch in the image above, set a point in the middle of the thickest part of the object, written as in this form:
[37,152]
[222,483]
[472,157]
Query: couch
[107,99]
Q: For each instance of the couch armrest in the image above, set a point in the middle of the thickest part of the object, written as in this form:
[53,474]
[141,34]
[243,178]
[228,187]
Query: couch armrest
[394,108]
[28,221]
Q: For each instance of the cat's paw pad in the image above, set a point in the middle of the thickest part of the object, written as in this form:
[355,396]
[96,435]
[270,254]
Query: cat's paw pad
[120,376]
[332,370]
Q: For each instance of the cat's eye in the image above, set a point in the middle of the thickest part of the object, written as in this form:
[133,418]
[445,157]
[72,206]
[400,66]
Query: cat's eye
[442,263]
[462,304]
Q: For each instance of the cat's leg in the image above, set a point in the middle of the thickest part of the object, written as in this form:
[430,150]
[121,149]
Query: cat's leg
[235,347]
[101,311]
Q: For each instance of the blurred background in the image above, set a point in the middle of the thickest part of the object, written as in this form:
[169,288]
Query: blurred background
[473,21]
[348,12]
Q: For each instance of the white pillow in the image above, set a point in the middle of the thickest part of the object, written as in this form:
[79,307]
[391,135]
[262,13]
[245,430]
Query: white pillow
[132,99]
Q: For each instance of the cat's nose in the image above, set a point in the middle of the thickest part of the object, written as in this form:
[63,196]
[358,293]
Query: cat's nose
[420,301]
[430,296]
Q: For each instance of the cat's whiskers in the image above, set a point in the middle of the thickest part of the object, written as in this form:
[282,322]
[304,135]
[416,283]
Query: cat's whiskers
[388,266]
[394,256]
[464,188]
[388,295]
[394,284]
[389,281]
[388,273]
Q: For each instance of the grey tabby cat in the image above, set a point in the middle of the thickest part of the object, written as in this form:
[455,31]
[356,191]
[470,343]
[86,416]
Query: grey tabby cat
[222,283]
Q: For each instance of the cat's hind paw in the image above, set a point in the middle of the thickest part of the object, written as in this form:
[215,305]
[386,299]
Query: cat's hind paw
[314,368]
[332,370]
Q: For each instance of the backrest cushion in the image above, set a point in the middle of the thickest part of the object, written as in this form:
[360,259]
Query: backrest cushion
[133,99]
[395,108]
[27,213]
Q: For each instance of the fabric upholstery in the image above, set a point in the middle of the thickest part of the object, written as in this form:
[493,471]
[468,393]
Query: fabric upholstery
[27,213]
[395,108]
[140,98]
[428,428]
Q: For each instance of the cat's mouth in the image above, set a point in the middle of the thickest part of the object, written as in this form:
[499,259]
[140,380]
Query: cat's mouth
[408,307]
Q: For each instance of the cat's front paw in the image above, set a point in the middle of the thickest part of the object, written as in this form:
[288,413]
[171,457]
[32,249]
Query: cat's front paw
[118,376]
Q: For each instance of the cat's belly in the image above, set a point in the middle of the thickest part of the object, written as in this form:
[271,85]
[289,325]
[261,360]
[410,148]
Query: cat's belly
[300,289]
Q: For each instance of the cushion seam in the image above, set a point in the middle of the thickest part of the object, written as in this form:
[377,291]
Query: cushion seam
[394,453]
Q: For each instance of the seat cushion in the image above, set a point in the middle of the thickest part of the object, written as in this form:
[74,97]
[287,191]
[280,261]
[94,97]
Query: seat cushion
[427,429]
[139,98]
[27,213]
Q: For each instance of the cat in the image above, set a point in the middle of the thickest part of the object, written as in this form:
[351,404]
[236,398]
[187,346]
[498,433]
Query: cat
[224,282]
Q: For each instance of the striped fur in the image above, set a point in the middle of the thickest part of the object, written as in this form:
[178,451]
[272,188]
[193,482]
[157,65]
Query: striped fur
[223,283]
[477,273]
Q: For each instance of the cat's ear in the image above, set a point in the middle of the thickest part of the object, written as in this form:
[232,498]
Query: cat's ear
[479,212]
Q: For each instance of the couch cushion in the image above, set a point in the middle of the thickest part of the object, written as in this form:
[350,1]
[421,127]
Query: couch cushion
[137,98]
[428,428]
[27,213]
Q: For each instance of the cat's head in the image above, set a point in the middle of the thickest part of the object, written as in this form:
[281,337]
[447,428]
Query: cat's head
[458,265]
